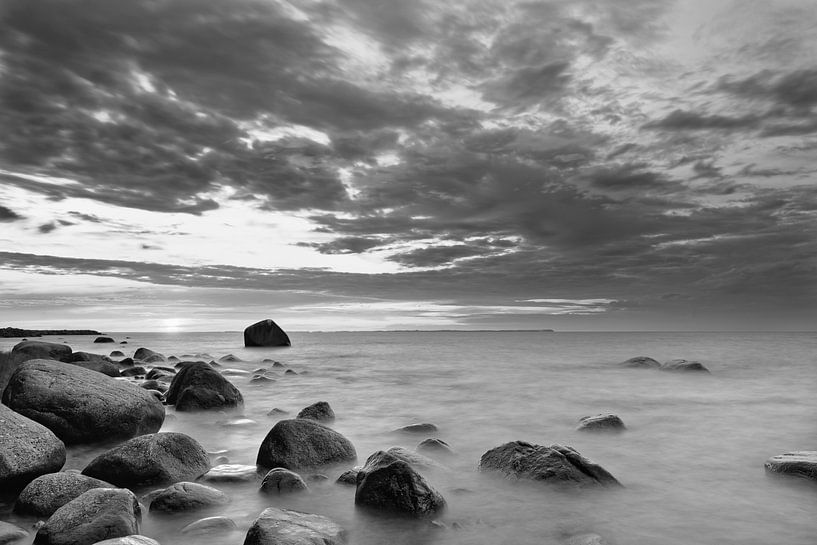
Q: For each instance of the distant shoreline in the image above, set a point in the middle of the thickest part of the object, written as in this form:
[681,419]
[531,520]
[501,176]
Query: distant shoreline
[13,332]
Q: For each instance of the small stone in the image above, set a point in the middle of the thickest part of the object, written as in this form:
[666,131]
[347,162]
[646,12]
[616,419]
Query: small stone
[103,340]
[684,365]
[642,362]
[277,412]
[435,447]
[349,476]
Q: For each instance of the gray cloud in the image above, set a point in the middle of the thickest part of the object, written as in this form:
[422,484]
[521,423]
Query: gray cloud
[685,120]
[8,215]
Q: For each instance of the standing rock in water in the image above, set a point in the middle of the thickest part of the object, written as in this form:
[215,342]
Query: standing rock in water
[424,427]
[320,411]
[47,493]
[556,464]
[187,497]
[151,459]
[284,527]
[800,464]
[198,387]
[302,443]
[27,450]
[33,350]
[684,365]
[388,483]
[434,447]
[601,422]
[101,513]
[282,481]
[265,333]
[103,340]
[82,406]
[641,361]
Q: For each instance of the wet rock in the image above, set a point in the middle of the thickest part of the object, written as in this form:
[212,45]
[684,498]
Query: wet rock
[186,496]
[641,361]
[156,458]
[125,362]
[9,533]
[284,527]
[123,342]
[226,473]
[47,493]
[282,481]
[265,333]
[601,422]
[277,412]
[387,483]
[435,447]
[133,371]
[290,372]
[103,340]
[261,379]
[320,411]
[117,354]
[198,386]
[82,406]
[684,365]
[27,450]
[34,350]
[413,458]
[94,362]
[799,464]
[349,477]
[101,513]
[152,385]
[229,358]
[301,443]
[556,464]
[277,364]
[417,428]
[147,355]
[173,359]
[160,371]
[210,525]
[129,540]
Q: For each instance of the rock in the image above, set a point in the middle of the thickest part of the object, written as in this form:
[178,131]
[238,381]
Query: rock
[148,355]
[799,464]
[34,350]
[125,362]
[160,371]
[284,527]
[388,483]
[221,460]
[209,525]
[555,464]
[417,428]
[104,340]
[27,450]
[301,443]
[123,342]
[117,354]
[277,364]
[47,493]
[277,412]
[317,478]
[133,371]
[94,362]
[320,411]
[684,365]
[153,385]
[601,422]
[231,473]
[413,459]
[349,476]
[187,496]
[156,458]
[198,386]
[265,333]
[435,447]
[9,533]
[98,514]
[290,372]
[282,481]
[261,379]
[229,358]
[129,540]
[641,361]
[82,406]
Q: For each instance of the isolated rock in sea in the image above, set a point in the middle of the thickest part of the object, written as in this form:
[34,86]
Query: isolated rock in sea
[641,361]
[799,464]
[284,527]
[198,387]
[387,483]
[129,540]
[98,514]
[231,473]
[156,458]
[148,355]
[49,492]
[94,362]
[554,464]
[103,340]
[186,496]
[320,411]
[27,450]
[435,447]
[302,443]
[282,481]
[265,333]
[424,427]
[210,525]
[82,406]
[684,365]
[601,422]
[10,533]
[34,350]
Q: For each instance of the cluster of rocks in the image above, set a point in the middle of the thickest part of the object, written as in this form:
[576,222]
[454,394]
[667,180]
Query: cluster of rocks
[645,362]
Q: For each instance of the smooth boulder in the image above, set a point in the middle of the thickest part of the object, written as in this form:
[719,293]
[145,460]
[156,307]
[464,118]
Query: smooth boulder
[423,427]
[641,362]
[684,365]
[302,443]
[94,362]
[320,411]
[282,481]
[96,515]
[34,350]
[601,422]
[147,355]
[156,458]
[799,464]
[265,333]
[27,450]
[198,387]
[555,464]
[285,527]
[186,496]
[388,483]
[47,493]
[103,340]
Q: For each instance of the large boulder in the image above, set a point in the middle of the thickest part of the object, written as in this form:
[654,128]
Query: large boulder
[265,333]
[799,464]
[157,458]
[82,406]
[684,365]
[27,450]
[388,483]
[34,350]
[197,386]
[555,464]
[47,493]
[320,411]
[284,527]
[94,362]
[186,496]
[641,362]
[302,443]
[98,514]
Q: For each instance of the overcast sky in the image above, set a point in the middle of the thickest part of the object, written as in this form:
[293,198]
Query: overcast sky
[377,164]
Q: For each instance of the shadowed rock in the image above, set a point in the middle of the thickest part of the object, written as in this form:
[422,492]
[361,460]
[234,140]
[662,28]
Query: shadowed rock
[282,481]
[197,386]
[320,411]
[284,527]
[302,443]
[684,365]
[435,447]
[27,450]
[265,333]
[103,340]
[387,483]
[94,362]
[641,361]
[799,464]
[424,427]
[147,355]
[601,422]
[47,493]
[349,476]
[101,513]
[187,496]
[34,350]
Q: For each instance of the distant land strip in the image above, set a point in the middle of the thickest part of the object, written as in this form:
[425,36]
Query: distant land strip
[17,332]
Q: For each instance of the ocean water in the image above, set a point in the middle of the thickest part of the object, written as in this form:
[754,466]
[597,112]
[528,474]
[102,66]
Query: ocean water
[691,460]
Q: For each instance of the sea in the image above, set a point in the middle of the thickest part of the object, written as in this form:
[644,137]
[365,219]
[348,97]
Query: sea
[690,461]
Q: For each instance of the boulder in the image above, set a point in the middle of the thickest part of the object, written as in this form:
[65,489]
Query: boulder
[209,525]
[82,406]
[9,533]
[134,371]
[320,411]
[197,386]
[103,340]
[231,473]
[129,540]
[601,422]
[435,447]
[156,458]
[117,354]
[27,450]
[282,481]
[125,362]
[349,476]
[187,496]
[147,355]
[799,464]
[641,361]
[301,443]
[47,493]
[160,371]
[98,514]
[33,350]
[94,362]
[387,483]
[284,527]
[414,459]
[265,333]
[555,464]
[684,365]
[424,427]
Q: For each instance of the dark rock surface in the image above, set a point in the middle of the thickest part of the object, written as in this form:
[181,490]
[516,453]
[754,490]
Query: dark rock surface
[799,464]
[148,355]
[435,447]
[117,354]
[302,443]
[320,411]
[418,428]
[186,496]
[265,333]
[641,361]
[601,422]
[47,493]
[282,481]
[94,362]
[33,350]
[349,477]
[82,406]
[197,386]
[129,540]
[98,514]
[284,527]
[684,365]
[134,371]
[387,483]
[103,340]
[555,464]
[27,450]
[156,458]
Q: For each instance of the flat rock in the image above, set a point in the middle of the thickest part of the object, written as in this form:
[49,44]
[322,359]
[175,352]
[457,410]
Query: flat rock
[642,362]
[282,481]
[156,458]
[302,443]
[684,365]
[320,411]
[424,427]
[265,333]
[9,533]
[27,450]
[98,514]
[197,387]
[601,422]
[187,496]
[388,483]
[209,525]
[129,540]
[34,350]
[799,464]
[231,473]
[47,493]
[284,527]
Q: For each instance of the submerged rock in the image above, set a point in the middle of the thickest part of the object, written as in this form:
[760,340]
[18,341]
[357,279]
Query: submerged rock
[284,527]
[302,443]
[418,428]
[47,493]
[103,340]
[27,450]
[684,365]
[197,386]
[282,481]
[265,333]
[601,422]
[388,483]
[320,411]
[799,464]
[209,525]
[186,496]
[435,447]
[641,361]
[33,350]
[349,476]
[101,513]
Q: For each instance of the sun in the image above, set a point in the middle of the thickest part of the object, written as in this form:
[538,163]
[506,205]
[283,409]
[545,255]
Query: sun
[172,325]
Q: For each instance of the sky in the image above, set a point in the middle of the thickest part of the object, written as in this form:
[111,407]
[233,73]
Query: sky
[187,165]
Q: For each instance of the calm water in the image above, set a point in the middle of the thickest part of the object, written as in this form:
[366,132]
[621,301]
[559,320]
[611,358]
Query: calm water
[691,460]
